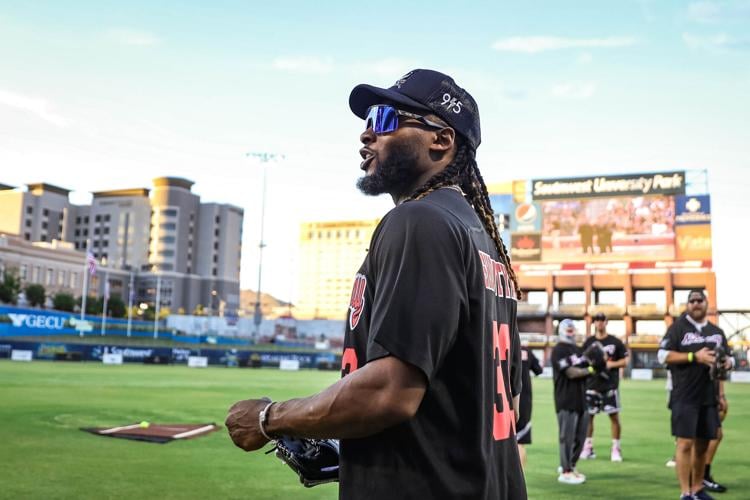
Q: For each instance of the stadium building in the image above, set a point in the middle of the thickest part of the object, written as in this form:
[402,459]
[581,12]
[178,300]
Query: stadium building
[165,241]
[630,246]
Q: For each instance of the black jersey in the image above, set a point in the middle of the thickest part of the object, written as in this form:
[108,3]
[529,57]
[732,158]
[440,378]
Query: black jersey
[433,293]
[529,364]
[616,351]
[691,383]
[570,393]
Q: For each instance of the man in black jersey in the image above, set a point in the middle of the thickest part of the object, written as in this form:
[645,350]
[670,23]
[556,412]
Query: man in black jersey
[569,372]
[688,349]
[602,392]
[529,364]
[432,361]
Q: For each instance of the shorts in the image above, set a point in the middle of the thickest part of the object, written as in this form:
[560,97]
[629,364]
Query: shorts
[607,402]
[523,433]
[695,421]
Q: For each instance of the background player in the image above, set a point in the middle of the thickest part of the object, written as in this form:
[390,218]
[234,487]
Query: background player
[569,371]
[529,364]
[603,393]
[688,349]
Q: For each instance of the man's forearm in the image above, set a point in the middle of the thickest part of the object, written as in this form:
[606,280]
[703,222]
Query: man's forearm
[377,396]
[676,358]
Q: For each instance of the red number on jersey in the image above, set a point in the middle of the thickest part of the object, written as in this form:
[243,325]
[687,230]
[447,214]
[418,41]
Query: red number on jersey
[503,423]
[348,361]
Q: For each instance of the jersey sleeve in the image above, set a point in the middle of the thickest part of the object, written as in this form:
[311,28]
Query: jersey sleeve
[621,352]
[534,364]
[670,342]
[420,287]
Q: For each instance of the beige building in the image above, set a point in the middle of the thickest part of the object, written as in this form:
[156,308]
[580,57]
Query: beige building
[183,251]
[330,255]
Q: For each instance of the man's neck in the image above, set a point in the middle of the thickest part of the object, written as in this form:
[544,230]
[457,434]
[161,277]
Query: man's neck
[601,335]
[698,324]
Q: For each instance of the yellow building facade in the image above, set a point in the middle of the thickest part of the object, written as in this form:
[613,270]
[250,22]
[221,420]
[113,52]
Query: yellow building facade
[330,255]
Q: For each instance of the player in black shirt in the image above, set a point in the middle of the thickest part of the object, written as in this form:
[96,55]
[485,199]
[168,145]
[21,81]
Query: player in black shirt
[569,371]
[602,393]
[432,361]
[688,348]
[529,364]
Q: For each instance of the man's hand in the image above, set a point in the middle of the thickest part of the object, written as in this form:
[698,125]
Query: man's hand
[242,424]
[723,404]
[705,356]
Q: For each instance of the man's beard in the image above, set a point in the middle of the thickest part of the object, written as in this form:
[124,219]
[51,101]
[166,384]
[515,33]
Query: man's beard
[394,175]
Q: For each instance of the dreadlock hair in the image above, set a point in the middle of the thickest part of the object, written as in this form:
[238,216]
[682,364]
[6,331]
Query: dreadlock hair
[464,172]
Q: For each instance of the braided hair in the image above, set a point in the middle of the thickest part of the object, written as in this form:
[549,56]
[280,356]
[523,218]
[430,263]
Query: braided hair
[464,172]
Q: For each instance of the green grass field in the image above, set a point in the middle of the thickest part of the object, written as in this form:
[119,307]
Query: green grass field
[44,455]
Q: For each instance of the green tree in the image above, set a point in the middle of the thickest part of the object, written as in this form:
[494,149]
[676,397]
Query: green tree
[93,305]
[116,308]
[64,302]
[10,286]
[35,294]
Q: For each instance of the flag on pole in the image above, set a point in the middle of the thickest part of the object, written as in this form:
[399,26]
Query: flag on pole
[91,262]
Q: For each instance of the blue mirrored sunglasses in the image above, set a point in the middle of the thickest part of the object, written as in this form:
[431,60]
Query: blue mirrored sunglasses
[383,118]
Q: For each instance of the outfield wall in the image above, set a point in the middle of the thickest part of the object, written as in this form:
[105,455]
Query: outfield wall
[168,355]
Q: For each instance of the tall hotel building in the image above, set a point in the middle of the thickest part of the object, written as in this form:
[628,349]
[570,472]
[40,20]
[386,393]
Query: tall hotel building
[163,239]
[330,255]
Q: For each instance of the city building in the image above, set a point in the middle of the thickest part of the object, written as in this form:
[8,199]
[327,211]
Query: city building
[173,248]
[330,255]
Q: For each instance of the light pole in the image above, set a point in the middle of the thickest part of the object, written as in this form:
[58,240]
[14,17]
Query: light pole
[264,158]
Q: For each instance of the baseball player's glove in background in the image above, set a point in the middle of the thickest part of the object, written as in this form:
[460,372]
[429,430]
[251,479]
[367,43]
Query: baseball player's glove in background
[597,358]
[316,461]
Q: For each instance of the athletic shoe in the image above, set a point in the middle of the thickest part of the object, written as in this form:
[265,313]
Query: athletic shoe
[712,485]
[578,475]
[588,453]
[616,455]
[702,495]
[559,469]
[689,496]
[671,462]
[571,478]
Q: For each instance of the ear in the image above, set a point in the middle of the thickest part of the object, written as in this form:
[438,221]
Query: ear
[444,140]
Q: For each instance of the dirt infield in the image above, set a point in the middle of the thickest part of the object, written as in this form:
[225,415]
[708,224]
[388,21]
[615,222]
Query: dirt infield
[154,433]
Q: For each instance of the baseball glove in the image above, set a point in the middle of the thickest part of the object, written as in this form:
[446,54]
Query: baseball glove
[316,461]
[597,358]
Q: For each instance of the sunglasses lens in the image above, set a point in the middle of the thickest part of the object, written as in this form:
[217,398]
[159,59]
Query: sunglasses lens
[382,119]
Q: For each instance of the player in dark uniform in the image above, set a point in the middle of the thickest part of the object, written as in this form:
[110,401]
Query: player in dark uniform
[529,364]
[432,360]
[688,348]
[569,371]
[603,393]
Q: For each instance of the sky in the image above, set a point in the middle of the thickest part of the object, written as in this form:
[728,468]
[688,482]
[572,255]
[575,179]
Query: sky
[105,95]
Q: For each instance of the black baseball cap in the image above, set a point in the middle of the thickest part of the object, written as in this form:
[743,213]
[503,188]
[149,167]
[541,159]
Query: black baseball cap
[429,91]
[600,317]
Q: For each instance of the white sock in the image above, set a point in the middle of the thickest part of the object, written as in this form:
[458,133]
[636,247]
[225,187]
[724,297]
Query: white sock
[589,442]
[615,443]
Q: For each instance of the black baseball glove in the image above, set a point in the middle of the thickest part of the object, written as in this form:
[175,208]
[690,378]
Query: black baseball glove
[597,358]
[316,461]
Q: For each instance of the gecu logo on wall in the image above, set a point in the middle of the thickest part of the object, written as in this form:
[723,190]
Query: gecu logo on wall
[37,321]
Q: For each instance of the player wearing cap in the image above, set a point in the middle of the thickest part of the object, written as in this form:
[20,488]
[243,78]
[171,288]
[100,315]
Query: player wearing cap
[529,364]
[602,392]
[432,362]
[688,348]
[569,371]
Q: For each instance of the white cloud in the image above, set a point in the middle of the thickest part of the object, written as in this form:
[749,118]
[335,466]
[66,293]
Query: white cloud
[390,68]
[577,91]
[130,37]
[534,44]
[720,41]
[705,12]
[304,64]
[37,107]
[585,58]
